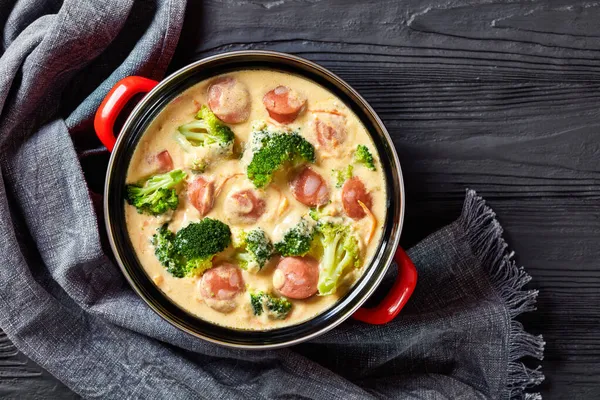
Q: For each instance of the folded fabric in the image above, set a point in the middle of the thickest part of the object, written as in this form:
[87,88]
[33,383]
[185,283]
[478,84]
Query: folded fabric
[66,305]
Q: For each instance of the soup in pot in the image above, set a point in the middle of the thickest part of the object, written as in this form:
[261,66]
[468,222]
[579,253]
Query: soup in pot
[255,199]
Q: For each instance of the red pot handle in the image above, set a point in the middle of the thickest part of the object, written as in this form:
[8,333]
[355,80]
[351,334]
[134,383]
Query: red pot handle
[398,296]
[113,104]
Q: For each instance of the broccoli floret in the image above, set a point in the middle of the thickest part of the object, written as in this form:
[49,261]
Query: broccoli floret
[190,251]
[318,214]
[364,156]
[278,307]
[340,251]
[342,175]
[275,307]
[207,129]
[256,302]
[296,241]
[156,195]
[199,165]
[205,139]
[255,249]
[315,214]
[203,239]
[164,249]
[271,150]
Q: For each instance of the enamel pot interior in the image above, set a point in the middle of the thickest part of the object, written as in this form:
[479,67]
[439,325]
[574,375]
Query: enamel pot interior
[132,131]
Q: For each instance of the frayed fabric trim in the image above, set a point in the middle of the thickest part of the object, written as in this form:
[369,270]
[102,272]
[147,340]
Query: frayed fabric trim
[484,234]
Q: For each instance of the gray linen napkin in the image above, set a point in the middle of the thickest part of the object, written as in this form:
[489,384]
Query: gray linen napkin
[65,304]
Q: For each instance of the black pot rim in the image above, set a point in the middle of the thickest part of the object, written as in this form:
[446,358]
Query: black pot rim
[130,133]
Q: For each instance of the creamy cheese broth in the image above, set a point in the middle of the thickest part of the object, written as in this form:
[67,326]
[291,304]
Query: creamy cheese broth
[277,217]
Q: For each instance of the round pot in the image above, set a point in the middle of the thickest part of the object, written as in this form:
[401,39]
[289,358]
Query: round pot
[158,95]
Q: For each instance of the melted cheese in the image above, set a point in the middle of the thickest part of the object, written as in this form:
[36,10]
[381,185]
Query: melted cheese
[282,209]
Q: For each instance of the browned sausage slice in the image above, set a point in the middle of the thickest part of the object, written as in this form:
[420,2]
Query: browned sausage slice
[219,286]
[222,282]
[283,104]
[309,188]
[331,129]
[157,163]
[164,160]
[296,277]
[229,99]
[244,206]
[353,191]
[201,194]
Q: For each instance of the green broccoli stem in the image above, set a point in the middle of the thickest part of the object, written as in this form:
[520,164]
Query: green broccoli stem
[163,181]
[184,143]
[330,270]
[205,130]
[196,126]
[346,262]
[198,132]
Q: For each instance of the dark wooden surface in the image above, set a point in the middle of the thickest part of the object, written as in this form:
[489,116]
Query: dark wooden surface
[500,97]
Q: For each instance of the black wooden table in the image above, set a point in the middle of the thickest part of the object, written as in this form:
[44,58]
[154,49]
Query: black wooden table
[499,97]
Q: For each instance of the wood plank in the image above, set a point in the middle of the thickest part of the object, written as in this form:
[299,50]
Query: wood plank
[21,378]
[501,97]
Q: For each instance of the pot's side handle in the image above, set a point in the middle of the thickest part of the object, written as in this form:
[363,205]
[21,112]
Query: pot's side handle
[113,104]
[398,296]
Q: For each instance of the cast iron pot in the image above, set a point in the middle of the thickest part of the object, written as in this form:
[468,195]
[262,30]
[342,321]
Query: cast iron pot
[158,95]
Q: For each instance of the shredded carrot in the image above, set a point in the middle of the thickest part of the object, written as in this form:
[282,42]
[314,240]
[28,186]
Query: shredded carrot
[372,218]
[334,112]
[158,279]
[218,191]
[283,202]
[197,104]
[283,205]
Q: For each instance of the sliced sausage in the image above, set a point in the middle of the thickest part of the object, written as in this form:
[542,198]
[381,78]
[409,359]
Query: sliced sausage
[164,161]
[309,188]
[219,286]
[330,129]
[222,282]
[244,206]
[296,277]
[283,104]
[157,163]
[201,194]
[353,191]
[229,99]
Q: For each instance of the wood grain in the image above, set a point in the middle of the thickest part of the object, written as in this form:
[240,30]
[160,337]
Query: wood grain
[498,96]
[21,378]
